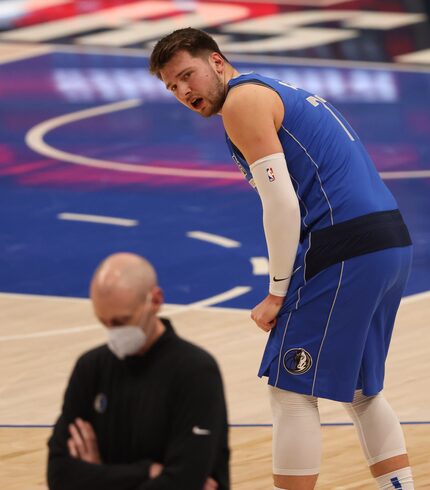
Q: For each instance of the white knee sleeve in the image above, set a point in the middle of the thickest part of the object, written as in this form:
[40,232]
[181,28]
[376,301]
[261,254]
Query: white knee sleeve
[378,427]
[296,433]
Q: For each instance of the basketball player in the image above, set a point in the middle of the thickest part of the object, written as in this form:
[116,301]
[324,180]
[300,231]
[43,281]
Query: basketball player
[339,255]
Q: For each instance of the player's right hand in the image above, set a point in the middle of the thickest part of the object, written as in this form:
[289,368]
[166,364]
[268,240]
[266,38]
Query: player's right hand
[265,313]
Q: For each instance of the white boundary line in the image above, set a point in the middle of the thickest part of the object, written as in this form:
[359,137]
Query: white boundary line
[170,309]
[85,300]
[202,304]
[35,140]
[406,299]
[219,298]
[41,296]
[218,309]
[215,239]
[93,218]
[404,174]
[49,333]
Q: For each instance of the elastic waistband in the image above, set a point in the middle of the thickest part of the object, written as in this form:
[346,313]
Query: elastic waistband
[357,236]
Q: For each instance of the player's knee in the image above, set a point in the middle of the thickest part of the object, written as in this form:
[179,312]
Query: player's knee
[378,427]
[293,403]
[361,403]
[296,433]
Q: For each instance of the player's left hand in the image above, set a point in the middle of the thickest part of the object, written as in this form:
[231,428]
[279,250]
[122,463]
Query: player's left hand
[82,443]
[265,313]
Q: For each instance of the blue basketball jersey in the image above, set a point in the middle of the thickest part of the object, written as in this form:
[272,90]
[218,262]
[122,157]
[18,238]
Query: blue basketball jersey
[327,342]
[333,175]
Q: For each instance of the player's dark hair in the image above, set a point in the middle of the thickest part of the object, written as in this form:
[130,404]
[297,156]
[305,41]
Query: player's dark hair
[194,41]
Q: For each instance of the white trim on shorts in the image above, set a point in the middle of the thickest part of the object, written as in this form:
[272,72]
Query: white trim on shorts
[326,328]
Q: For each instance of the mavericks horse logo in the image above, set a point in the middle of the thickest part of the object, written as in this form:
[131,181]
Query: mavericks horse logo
[297,361]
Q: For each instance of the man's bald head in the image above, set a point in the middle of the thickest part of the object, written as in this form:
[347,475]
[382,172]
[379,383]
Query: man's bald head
[124,271]
[120,283]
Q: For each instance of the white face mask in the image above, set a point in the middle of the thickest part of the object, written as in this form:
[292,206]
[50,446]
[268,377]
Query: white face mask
[126,340]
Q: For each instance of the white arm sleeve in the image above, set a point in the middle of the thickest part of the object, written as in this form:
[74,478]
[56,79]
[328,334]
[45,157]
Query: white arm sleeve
[281,218]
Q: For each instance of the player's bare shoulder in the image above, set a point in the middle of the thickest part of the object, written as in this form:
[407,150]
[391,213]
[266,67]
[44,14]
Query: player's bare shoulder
[248,100]
[247,96]
[252,114]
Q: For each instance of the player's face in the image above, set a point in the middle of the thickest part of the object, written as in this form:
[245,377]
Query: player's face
[197,82]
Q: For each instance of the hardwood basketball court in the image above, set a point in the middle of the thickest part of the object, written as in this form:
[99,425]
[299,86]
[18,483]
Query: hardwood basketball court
[41,337]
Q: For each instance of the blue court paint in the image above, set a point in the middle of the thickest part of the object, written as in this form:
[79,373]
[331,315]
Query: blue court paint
[43,255]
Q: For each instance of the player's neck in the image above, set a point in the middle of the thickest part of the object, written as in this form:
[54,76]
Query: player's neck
[229,73]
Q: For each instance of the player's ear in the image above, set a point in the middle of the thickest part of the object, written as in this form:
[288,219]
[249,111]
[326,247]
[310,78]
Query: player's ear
[218,62]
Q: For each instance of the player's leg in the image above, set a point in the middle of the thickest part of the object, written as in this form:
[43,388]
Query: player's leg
[301,334]
[318,344]
[382,440]
[380,433]
[294,482]
[296,440]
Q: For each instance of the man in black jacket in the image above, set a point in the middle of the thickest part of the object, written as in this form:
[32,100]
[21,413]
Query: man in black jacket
[147,410]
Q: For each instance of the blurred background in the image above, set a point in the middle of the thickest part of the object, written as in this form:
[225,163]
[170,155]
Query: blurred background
[166,172]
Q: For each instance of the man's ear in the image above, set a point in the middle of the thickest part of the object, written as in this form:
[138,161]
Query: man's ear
[157,297]
[218,62]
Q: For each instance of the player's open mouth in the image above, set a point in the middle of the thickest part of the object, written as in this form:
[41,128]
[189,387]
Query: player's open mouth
[197,103]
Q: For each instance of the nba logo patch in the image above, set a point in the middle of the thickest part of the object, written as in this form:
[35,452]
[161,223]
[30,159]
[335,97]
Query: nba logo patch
[270,174]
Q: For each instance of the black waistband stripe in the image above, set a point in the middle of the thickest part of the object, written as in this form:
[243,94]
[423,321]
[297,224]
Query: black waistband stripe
[358,236]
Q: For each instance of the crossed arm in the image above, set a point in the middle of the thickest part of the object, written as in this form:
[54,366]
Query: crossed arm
[75,460]
[83,445]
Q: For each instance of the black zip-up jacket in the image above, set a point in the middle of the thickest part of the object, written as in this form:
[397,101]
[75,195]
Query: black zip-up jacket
[166,406]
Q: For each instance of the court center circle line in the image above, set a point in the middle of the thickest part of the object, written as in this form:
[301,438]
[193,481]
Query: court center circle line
[35,140]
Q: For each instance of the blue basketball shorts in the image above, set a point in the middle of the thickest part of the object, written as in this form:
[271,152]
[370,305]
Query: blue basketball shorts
[334,330]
